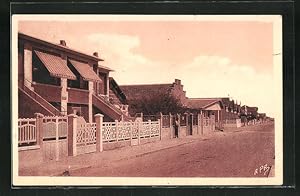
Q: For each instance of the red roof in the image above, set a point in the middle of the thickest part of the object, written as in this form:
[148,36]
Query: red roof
[85,71]
[142,90]
[201,103]
[55,65]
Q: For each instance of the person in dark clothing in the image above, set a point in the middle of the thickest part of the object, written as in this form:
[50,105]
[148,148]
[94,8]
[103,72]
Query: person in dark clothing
[176,125]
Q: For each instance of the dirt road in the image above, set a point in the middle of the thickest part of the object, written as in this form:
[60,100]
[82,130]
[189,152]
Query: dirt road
[226,154]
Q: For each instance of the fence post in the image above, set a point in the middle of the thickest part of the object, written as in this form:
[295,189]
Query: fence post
[99,138]
[117,129]
[201,122]
[192,123]
[171,126]
[149,123]
[56,139]
[72,134]
[179,124]
[197,123]
[130,131]
[139,131]
[160,125]
[39,128]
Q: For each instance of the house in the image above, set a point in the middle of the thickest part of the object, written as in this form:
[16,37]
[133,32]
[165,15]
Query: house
[54,79]
[224,109]
[135,94]
[207,106]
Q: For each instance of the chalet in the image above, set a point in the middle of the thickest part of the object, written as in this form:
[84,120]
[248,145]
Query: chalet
[54,79]
[223,108]
[136,93]
[207,106]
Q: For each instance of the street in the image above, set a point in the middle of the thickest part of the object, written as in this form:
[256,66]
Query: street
[235,153]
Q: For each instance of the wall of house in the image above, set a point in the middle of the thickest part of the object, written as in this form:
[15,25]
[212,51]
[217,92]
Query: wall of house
[20,65]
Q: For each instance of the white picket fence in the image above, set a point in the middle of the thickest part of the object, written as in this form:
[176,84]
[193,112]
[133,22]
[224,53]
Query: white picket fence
[118,131]
[27,131]
[55,126]
[85,136]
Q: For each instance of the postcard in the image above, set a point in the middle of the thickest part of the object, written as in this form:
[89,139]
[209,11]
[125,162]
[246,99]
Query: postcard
[147,100]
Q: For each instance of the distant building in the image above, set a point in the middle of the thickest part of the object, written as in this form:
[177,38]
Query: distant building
[136,93]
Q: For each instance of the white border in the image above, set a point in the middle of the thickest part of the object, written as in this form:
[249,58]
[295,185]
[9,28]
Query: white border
[121,181]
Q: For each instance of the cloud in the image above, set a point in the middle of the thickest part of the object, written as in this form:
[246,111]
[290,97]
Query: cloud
[203,76]
[215,76]
[130,67]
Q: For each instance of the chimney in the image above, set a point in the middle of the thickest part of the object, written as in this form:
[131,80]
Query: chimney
[177,81]
[63,43]
[96,54]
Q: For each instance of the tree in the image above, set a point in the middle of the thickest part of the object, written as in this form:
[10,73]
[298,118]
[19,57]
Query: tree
[155,103]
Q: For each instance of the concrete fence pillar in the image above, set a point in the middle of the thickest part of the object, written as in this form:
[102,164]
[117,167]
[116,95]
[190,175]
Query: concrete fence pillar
[72,134]
[99,137]
[149,123]
[56,140]
[130,131]
[39,128]
[139,131]
[192,124]
[160,125]
[201,123]
[117,129]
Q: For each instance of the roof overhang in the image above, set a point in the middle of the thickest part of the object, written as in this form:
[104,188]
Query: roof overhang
[57,46]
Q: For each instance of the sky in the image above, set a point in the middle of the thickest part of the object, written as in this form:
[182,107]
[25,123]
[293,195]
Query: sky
[212,58]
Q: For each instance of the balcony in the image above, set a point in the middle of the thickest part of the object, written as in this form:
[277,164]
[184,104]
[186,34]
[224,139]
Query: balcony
[78,96]
[51,93]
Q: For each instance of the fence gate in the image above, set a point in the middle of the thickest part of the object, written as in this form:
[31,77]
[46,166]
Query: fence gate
[55,132]
[85,136]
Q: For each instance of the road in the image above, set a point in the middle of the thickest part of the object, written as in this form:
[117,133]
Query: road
[226,154]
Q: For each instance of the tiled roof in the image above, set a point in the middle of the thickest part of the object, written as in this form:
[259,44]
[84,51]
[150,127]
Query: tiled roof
[85,71]
[140,91]
[55,65]
[201,103]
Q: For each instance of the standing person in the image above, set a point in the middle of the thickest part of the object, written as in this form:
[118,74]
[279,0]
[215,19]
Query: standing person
[176,125]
